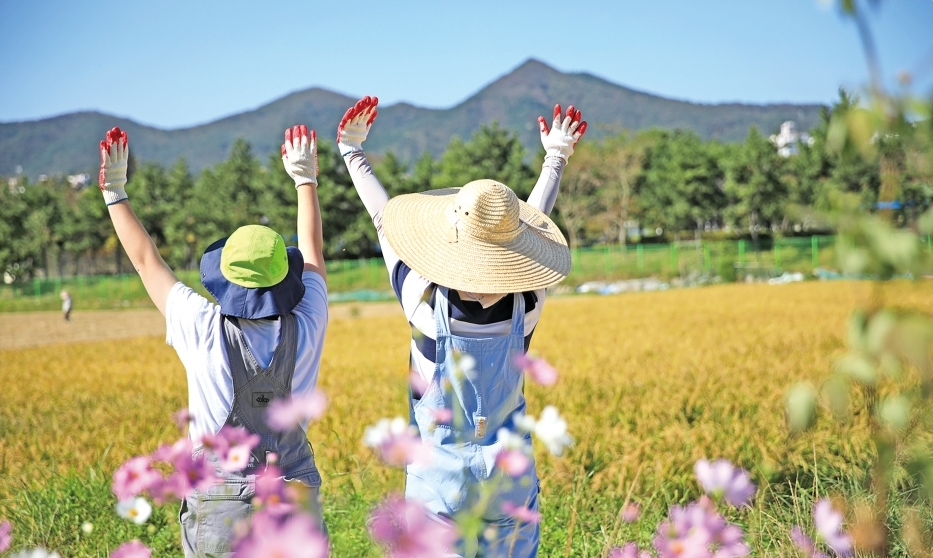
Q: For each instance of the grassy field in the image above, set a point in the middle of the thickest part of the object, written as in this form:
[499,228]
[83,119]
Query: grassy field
[650,382]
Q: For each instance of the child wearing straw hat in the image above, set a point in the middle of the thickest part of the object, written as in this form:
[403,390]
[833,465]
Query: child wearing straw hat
[470,267]
[261,341]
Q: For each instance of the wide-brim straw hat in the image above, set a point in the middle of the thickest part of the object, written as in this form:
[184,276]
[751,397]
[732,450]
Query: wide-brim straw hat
[479,238]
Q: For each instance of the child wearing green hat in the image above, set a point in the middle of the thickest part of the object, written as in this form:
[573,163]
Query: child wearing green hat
[261,341]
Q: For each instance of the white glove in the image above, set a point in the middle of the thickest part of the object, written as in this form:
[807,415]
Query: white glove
[114,154]
[354,126]
[299,155]
[564,133]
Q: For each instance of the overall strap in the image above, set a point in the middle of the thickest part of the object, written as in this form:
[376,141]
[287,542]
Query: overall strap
[441,311]
[518,315]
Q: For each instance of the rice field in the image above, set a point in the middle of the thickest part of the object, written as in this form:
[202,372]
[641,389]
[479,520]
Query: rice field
[649,383]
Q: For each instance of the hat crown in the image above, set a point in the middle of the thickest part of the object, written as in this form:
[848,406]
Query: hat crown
[487,207]
[254,256]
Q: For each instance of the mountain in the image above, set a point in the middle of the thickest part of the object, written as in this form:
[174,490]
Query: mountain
[68,143]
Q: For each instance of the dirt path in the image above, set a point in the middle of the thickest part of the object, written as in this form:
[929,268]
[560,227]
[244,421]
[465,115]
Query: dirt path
[32,329]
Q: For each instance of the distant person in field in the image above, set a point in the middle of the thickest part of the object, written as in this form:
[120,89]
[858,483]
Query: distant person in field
[66,305]
[470,267]
[261,342]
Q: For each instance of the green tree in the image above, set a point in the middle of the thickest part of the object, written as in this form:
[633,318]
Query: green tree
[681,187]
[755,185]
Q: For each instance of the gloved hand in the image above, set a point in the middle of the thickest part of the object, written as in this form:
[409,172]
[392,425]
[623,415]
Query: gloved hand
[354,126]
[299,155]
[564,133]
[114,153]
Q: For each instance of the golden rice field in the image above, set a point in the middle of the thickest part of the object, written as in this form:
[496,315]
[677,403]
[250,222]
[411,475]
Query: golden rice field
[650,382]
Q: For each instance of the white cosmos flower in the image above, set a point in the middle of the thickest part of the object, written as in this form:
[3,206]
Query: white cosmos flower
[552,430]
[524,423]
[135,509]
[384,430]
[36,553]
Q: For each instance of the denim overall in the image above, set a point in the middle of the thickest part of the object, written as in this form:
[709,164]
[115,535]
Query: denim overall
[208,517]
[482,401]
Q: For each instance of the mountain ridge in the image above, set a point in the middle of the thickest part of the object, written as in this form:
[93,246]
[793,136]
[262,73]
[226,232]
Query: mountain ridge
[67,143]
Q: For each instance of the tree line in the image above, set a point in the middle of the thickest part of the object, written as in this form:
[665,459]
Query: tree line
[653,185]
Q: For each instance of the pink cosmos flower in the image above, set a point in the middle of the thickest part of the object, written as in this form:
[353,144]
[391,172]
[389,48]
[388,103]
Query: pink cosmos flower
[167,453]
[418,384]
[273,494]
[397,442]
[804,543]
[442,416]
[295,536]
[132,549]
[537,369]
[134,477]
[698,531]
[520,513]
[191,473]
[408,530]
[232,446]
[5,538]
[628,550]
[631,512]
[828,524]
[286,414]
[721,478]
[182,419]
[514,462]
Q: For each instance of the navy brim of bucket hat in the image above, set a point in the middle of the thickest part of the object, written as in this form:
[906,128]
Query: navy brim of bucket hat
[252,303]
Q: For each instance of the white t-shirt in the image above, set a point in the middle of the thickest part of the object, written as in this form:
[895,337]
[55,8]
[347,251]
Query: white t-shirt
[193,329]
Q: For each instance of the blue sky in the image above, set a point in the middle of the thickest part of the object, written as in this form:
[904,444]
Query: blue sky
[174,64]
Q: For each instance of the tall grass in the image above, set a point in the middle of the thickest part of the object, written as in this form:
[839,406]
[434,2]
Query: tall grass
[650,382]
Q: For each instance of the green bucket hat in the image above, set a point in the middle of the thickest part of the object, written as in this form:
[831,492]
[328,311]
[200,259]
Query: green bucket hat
[252,274]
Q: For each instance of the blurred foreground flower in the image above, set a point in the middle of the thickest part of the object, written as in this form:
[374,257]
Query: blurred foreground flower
[36,553]
[551,429]
[132,549]
[628,550]
[721,479]
[804,543]
[87,527]
[514,457]
[296,536]
[182,419]
[828,524]
[537,369]
[698,530]
[631,512]
[286,414]
[397,442]
[408,530]
[521,513]
[134,477]
[5,538]
[135,509]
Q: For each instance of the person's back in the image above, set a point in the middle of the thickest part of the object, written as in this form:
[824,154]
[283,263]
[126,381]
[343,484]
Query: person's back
[470,267]
[261,342]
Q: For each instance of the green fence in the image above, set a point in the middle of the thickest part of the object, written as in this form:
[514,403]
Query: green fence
[367,279]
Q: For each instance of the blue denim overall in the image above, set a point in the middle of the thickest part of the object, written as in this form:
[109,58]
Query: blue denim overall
[482,401]
[208,517]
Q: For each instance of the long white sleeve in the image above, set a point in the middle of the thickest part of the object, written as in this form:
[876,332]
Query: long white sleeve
[544,194]
[374,198]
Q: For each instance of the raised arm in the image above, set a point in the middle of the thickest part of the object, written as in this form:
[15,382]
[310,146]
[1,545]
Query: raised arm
[558,141]
[157,277]
[299,155]
[351,133]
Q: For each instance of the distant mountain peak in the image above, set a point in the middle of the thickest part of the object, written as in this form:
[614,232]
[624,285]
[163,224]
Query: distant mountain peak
[514,100]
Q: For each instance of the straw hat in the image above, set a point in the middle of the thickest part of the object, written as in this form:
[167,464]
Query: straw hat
[480,238]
